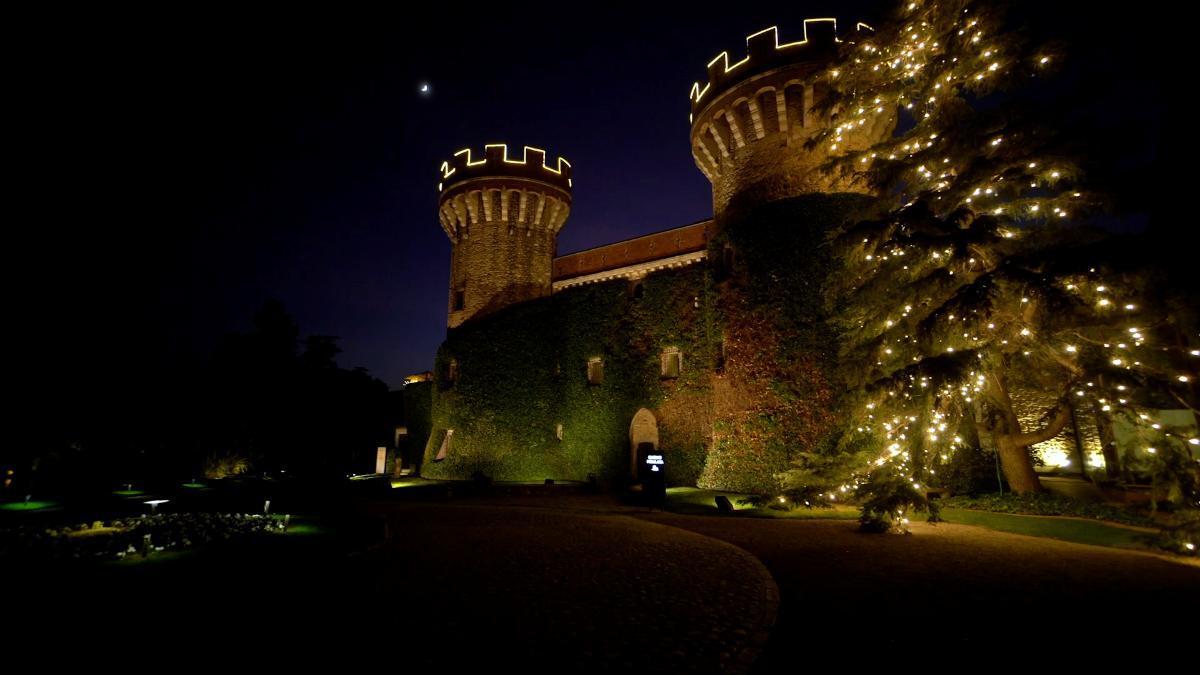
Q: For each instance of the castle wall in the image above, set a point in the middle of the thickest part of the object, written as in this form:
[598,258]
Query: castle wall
[505,382]
[522,372]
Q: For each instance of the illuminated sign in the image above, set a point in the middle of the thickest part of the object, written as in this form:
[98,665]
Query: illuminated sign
[654,461]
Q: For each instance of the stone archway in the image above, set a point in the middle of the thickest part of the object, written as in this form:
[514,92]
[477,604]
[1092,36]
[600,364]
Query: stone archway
[643,429]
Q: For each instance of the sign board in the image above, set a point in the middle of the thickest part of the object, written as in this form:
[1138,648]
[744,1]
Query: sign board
[654,462]
[652,474]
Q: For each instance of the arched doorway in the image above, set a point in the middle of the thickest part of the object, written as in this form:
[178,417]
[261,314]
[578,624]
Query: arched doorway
[643,429]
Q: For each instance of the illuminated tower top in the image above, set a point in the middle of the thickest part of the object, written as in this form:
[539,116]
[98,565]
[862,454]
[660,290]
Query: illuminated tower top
[751,119]
[502,215]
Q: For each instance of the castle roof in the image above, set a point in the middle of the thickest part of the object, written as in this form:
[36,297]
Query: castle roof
[633,257]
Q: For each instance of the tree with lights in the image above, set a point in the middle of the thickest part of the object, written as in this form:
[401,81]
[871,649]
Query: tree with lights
[979,281]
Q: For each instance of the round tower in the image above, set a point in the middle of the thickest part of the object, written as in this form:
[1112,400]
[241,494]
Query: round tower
[502,215]
[752,118]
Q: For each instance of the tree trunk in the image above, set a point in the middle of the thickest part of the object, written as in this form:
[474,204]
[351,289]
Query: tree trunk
[1012,444]
[1014,451]
[1017,465]
[1108,445]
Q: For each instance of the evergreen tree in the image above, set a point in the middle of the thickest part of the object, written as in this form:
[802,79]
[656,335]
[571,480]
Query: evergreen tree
[980,279]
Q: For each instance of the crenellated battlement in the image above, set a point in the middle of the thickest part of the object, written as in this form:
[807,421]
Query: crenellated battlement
[520,195]
[495,162]
[751,122]
[763,53]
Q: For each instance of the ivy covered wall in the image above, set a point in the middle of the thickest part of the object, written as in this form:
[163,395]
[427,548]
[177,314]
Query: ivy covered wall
[522,372]
[780,393]
[755,388]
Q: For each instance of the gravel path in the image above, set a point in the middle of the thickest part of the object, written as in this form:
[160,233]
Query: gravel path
[955,591]
[592,592]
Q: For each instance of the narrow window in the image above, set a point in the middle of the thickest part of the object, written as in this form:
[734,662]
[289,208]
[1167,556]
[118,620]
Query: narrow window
[445,449]
[558,431]
[452,371]
[595,370]
[672,363]
[719,364]
[460,300]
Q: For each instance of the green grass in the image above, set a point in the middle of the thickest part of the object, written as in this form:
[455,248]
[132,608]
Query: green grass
[32,505]
[307,528]
[1048,504]
[129,493]
[1066,529]
[415,481]
[702,502]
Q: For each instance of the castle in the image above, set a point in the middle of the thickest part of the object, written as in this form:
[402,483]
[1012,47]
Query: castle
[561,366]
[709,348]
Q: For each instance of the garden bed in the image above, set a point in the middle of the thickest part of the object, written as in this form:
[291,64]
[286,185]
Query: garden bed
[121,537]
[1049,505]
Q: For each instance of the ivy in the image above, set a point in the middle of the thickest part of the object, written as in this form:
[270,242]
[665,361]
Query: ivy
[523,371]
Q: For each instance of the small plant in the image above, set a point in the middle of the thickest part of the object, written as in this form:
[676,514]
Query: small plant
[888,499]
[1183,537]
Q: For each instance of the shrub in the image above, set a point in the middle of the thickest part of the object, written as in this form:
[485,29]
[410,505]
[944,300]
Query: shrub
[887,500]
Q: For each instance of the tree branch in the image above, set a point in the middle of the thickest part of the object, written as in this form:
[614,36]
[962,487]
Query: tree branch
[1184,403]
[1050,431]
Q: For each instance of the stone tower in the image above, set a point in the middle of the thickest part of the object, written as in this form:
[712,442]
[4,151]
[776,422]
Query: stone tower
[751,120]
[502,215]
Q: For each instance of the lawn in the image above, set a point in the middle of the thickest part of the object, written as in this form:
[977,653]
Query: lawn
[32,505]
[1077,530]
[413,481]
[697,501]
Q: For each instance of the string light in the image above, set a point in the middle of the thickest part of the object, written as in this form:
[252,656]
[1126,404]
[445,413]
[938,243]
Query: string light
[939,63]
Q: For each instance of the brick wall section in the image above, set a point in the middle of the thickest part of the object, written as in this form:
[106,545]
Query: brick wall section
[648,248]
[1031,404]
[498,266]
[502,231]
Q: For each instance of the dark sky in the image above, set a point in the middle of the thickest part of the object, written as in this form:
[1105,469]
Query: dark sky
[186,165]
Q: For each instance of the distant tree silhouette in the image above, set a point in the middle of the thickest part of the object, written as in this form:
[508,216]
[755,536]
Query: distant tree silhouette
[281,408]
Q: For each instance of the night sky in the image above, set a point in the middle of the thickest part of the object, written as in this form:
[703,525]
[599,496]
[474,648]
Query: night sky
[185,167]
